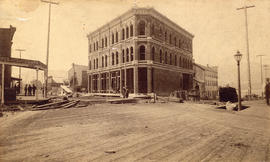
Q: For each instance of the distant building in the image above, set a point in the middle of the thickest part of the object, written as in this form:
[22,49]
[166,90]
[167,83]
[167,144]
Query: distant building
[53,86]
[142,50]
[6,36]
[207,79]
[80,79]
[199,79]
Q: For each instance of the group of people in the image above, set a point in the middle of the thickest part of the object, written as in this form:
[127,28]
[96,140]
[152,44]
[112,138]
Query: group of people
[267,91]
[125,92]
[30,90]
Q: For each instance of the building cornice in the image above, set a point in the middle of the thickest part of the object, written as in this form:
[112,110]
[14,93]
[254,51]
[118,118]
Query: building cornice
[142,11]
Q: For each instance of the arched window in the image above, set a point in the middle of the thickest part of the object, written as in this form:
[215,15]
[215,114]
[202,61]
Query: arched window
[180,61]
[112,58]
[160,56]
[97,62]
[165,36]
[102,42]
[142,28]
[123,56]
[112,38]
[131,54]
[170,38]
[127,55]
[89,65]
[116,37]
[106,60]
[105,41]
[94,64]
[170,59]
[152,29]
[166,61]
[153,54]
[123,34]
[97,45]
[131,30]
[175,60]
[102,63]
[142,52]
[127,32]
[117,58]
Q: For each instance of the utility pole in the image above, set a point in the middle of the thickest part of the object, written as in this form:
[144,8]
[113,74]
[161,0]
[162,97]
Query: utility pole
[261,71]
[20,50]
[48,44]
[246,24]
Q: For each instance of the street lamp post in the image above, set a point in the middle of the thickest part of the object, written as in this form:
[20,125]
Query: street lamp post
[238,57]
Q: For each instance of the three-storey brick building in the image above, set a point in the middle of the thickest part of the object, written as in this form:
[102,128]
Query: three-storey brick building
[141,50]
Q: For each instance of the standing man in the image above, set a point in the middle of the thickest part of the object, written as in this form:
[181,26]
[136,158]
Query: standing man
[25,89]
[267,91]
[34,89]
[29,90]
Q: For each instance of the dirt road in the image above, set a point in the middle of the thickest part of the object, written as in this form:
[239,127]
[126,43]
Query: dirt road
[141,132]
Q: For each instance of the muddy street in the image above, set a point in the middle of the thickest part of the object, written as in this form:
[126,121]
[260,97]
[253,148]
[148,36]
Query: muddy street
[137,132]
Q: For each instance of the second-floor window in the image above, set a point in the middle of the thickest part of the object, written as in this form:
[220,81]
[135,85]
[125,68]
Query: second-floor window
[123,34]
[123,56]
[106,60]
[127,32]
[160,56]
[112,58]
[112,38]
[153,54]
[117,58]
[127,55]
[142,52]
[131,54]
[131,30]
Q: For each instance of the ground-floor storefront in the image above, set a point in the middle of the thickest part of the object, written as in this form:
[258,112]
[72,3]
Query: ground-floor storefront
[139,80]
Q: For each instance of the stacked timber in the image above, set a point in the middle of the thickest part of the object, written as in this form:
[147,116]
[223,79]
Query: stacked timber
[58,104]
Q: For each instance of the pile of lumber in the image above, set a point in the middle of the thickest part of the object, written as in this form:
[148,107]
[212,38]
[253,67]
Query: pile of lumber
[59,104]
[122,101]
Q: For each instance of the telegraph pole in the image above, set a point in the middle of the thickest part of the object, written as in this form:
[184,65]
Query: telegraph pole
[20,50]
[246,24]
[261,71]
[48,44]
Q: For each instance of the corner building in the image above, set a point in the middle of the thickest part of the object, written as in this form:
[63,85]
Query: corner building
[141,50]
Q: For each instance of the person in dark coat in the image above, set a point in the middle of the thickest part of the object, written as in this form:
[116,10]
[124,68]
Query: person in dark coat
[34,89]
[124,92]
[29,90]
[267,91]
[25,89]
[127,92]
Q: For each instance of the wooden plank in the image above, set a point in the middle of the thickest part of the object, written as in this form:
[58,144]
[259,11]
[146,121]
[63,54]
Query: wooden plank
[54,103]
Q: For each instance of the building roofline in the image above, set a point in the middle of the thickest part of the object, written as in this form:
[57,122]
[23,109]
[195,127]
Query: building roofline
[151,11]
[205,67]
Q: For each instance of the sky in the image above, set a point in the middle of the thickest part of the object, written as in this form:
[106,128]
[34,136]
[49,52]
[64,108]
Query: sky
[219,31]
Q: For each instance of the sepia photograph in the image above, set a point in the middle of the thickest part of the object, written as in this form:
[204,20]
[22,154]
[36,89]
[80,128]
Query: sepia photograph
[135,80]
